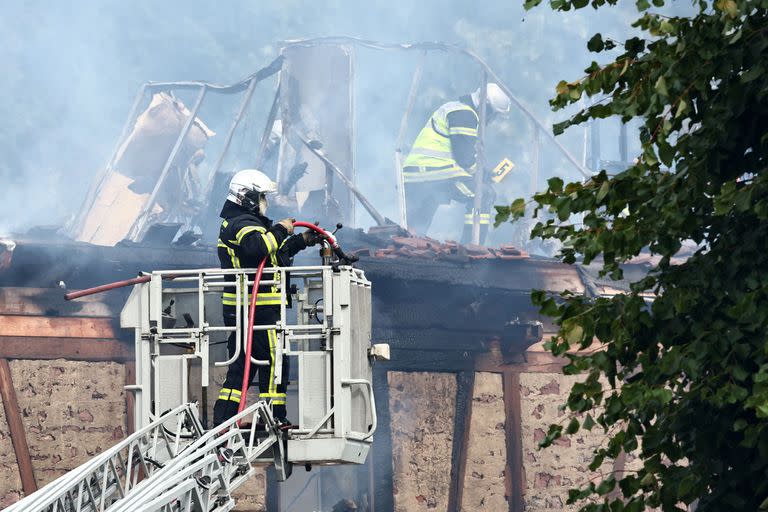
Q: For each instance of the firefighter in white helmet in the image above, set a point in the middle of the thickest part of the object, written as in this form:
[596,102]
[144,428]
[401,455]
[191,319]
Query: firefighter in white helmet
[441,162]
[247,236]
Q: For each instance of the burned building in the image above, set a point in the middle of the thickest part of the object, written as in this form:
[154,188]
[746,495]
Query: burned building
[462,404]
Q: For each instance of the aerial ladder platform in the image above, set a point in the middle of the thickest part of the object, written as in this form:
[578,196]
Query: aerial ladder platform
[172,462]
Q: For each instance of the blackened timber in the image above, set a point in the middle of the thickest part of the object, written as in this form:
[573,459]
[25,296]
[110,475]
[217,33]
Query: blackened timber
[381,451]
[461,429]
[75,349]
[452,307]
[43,264]
[272,498]
[50,302]
[513,430]
[444,340]
[521,275]
[428,361]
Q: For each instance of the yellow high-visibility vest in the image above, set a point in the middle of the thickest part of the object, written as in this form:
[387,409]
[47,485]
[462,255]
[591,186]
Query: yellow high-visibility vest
[431,158]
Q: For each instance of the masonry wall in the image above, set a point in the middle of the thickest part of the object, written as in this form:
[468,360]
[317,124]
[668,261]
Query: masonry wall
[10,482]
[74,410]
[551,472]
[70,410]
[422,407]
[484,486]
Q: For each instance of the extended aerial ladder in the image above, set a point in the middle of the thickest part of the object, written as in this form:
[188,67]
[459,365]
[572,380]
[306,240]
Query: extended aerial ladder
[172,462]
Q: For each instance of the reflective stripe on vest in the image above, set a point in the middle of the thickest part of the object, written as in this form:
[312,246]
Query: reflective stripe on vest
[484,218]
[432,147]
[262,299]
[421,174]
[464,189]
[271,298]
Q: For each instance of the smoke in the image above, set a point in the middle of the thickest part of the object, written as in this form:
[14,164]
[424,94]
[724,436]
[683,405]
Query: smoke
[70,76]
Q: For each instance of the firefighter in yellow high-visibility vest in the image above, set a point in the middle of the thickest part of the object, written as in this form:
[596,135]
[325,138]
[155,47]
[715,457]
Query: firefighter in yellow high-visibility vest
[246,237]
[441,163]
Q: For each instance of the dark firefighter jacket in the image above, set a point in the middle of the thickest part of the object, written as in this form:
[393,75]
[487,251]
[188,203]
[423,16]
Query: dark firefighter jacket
[244,240]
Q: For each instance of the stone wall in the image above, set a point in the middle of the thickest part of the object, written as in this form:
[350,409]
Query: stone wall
[549,473]
[251,496]
[10,482]
[485,473]
[74,410]
[71,411]
[422,409]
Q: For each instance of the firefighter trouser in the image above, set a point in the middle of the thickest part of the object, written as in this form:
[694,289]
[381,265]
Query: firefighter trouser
[485,223]
[263,348]
[422,200]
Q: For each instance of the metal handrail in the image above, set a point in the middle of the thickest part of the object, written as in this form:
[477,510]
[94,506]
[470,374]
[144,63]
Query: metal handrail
[372,403]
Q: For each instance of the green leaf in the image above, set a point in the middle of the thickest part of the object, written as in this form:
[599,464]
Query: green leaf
[686,485]
[595,44]
[517,208]
[751,74]
[728,6]
[606,486]
[604,188]
[666,154]
[666,27]
[661,86]
[573,426]
[573,333]
[643,5]
[555,184]
[682,106]
[588,422]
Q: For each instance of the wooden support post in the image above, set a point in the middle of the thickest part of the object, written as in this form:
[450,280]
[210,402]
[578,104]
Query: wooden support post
[74,349]
[461,431]
[381,451]
[15,425]
[130,399]
[513,424]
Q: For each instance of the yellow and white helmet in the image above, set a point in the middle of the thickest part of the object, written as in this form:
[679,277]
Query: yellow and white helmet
[249,188]
[496,98]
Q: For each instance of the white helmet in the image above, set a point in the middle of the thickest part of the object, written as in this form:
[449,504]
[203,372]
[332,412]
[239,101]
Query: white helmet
[249,189]
[495,97]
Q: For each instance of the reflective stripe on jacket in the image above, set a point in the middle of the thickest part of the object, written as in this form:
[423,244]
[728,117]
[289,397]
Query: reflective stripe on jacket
[431,157]
[243,241]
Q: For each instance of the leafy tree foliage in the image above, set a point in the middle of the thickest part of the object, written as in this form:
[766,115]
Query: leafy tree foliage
[684,380]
